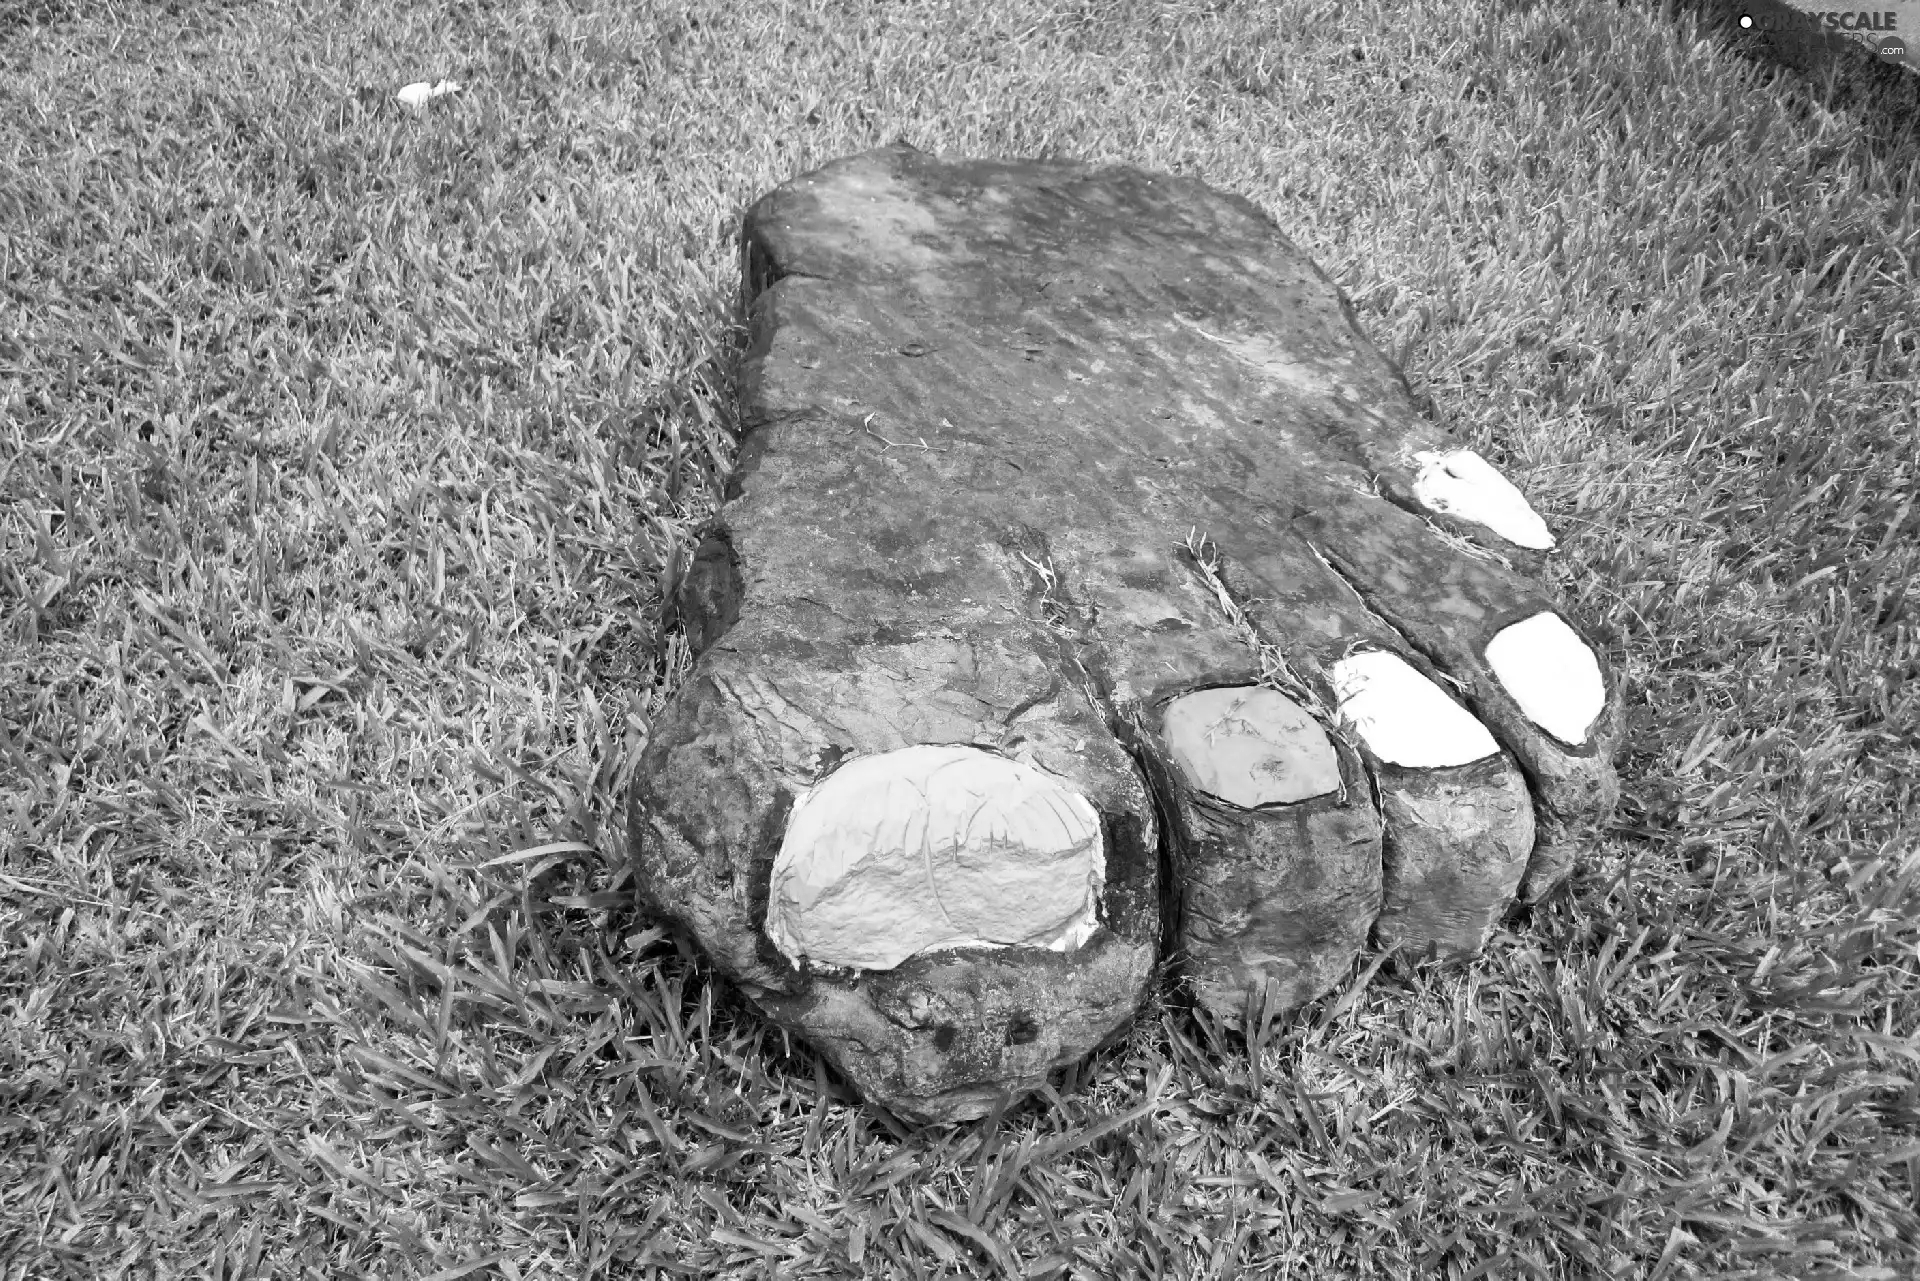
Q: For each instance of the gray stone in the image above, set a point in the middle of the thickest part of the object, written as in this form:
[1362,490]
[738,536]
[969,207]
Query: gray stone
[1089,598]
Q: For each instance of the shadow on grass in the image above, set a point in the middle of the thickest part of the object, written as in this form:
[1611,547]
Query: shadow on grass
[1839,73]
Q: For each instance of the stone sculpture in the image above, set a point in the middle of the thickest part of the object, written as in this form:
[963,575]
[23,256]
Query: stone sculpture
[1090,599]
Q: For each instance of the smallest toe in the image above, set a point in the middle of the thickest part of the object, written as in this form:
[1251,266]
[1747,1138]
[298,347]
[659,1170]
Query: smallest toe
[1462,484]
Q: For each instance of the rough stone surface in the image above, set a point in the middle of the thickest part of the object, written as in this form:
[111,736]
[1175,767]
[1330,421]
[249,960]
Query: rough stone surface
[986,408]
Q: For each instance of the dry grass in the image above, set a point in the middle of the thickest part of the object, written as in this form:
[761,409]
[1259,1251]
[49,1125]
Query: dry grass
[344,452]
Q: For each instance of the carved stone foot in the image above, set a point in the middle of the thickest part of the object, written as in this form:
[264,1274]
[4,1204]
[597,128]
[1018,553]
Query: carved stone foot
[1089,595]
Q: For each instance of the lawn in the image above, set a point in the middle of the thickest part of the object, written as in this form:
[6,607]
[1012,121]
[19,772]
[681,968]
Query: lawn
[345,450]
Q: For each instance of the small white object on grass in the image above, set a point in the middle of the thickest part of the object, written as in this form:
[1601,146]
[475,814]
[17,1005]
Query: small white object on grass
[417,94]
[1404,717]
[1551,673]
[934,847]
[1462,483]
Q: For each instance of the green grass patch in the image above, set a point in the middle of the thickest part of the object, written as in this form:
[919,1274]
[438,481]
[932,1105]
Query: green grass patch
[345,451]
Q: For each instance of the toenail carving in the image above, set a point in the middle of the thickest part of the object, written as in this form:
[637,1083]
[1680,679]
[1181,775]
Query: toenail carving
[1551,673]
[1462,483]
[1405,718]
[950,813]
[930,848]
[1250,746]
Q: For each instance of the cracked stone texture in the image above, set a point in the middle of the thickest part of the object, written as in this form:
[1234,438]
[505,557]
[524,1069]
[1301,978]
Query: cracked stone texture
[985,408]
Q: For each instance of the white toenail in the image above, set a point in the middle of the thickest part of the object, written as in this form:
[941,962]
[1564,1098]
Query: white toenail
[1464,484]
[1250,746]
[1404,717]
[934,847]
[1551,673]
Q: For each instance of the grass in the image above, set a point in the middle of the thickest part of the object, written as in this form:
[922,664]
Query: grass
[343,454]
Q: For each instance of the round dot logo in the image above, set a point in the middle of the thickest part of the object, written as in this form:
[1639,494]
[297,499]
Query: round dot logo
[1893,47]
[1746,22]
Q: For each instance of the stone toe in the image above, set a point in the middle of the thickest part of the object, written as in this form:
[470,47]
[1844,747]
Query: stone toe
[879,805]
[1513,659]
[1458,813]
[1276,846]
